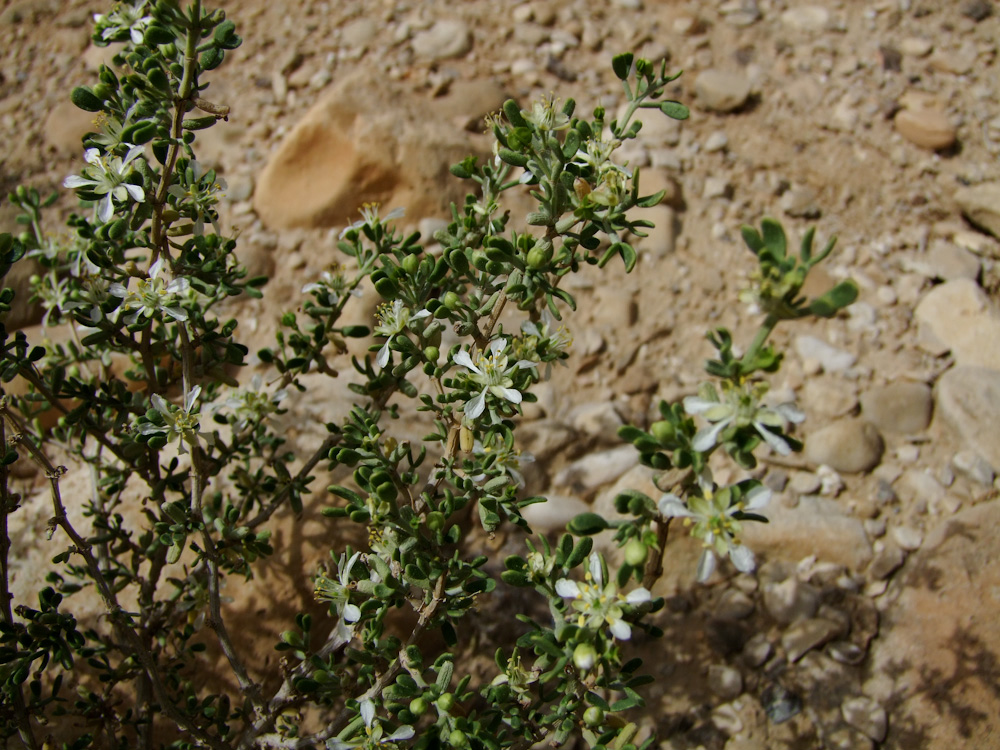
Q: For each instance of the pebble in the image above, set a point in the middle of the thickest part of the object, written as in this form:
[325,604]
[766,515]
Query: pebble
[447,38]
[927,128]
[757,650]
[850,446]
[977,10]
[887,560]
[804,483]
[830,357]
[968,399]
[847,738]
[907,538]
[721,91]
[959,317]
[947,262]
[733,605]
[916,47]
[806,18]
[725,681]
[875,527]
[780,703]
[980,204]
[901,407]
[716,187]
[554,513]
[790,600]
[974,467]
[717,141]
[589,473]
[800,202]
[846,652]
[805,635]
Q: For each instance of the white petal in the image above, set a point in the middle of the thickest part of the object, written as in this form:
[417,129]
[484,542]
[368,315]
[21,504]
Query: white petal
[742,558]
[567,588]
[368,711]
[508,393]
[706,566]
[382,358]
[462,358]
[672,506]
[790,412]
[420,314]
[697,405]
[396,213]
[638,596]
[406,731]
[176,313]
[192,398]
[132,153]
[136,192]
[104,208]
[525,363]
[497,346]
[178,285]
[596,569]
[76,181]
[92,156]
[620,630]
[476,405]
[117,289]
[758,497]
[154,270]
[160,404]
[777,444]
[708,436]
[351,613]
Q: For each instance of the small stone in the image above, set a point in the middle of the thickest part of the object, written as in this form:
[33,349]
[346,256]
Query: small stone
[725,681]
[974,467]
[959,315]
[898,407]
[780,704]
[726,718]
[930,129]
[847,738]
[907,538]
[554,513]
[757,650]
[866,716]
[916,47]
[805,635]
[734,605]
[790,600]
[65,127]
[846,652]
[598,418]
[807,18]
[886,561]
[968,399]
[804,483]
[721,91]
[830,357]
[586,475]
[958,62]
[716,187]
[800,202]
[448,38]
[981,205]
[850,446]
[875,527]
[947,262]
[717,141]
[977,10]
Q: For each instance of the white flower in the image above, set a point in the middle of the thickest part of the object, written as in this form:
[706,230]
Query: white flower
[711,514]
[332,281]
[492,373]
[553,341]
[740,406]
[338,593]
[392,320]
[128,18]
[151,295]
[598,603]
[509,459]
[251,405]
[199,196]
[370,217]
[106,176]
[181,423]
[545,116]
[373,731]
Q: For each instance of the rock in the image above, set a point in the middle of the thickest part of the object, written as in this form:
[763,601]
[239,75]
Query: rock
[588,474]
[65,127]
[757,650]
[958,314]
[806,635]
[790,600]
[907,538]
[848,445]
[554,514]
[733,605]
[546,437]
[968,399]
[468,101]
[887,561]
[446,39]
[720,91]
[980,204]
[816,526]
[974,467]
[725,681]
[939,644]
[800,201]
[916,47]
[661,239]
[977,10]
[947,262]
[958,62]
[927,128]
[830,357]
[806,18]
[716,187]
[898,407]
[717,141]
[349,149]
[596,419]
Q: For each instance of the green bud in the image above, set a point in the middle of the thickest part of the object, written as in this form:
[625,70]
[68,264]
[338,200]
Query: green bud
[410,264]
[457,738]
[432,353]
[435,522]
[539,256]
[593,717]
[419,706]
[446,702]
[452,300]
[663,431]
[288,319]
[635,553]
[584,657]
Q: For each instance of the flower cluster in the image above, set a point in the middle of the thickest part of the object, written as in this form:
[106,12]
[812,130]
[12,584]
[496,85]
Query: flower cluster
[151,296]
[739,407]
[124,22]
[599,603]
[179,423]
[198,196]
[251,405]
[712,517]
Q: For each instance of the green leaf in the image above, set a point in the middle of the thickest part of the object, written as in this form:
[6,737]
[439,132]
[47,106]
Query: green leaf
[586,524]
[752,239]
[513,157]
[827,305]
[622,65]
[513,113]
[86,99]
[675,110]
[774,237]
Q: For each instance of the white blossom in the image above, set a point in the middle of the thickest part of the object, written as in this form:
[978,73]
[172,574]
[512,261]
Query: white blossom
[393,319]
[106,176]
[598,603]
[151,295]
[491,371]
[740,406]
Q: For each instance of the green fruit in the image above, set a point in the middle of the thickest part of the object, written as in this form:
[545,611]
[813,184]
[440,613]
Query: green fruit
[457,738]
[446,702]
[452,300]
[432,353]
[410,263]
[635,553]
[593,717]
[419,706]
[663,431]
[539,256]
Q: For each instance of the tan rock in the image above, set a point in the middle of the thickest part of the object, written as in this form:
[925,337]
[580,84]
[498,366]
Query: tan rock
[927,128]
[958,314]
[980,204]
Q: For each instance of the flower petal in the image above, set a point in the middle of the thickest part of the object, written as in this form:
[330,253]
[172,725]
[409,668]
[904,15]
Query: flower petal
[778,445]
[462,358]
[382,358]
[352,613]
[708,436]
[475,406]
[76,181]
[698,405]
[367,711]
[706,566]
[508,393]
[136,192]
[404,732]
[638,596]
[742,558]
[620,630]
[672,506]
[758,497]
[567,589]
[105,209]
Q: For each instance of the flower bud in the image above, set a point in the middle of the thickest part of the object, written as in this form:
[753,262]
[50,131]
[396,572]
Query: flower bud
[635,553]
[593,717]
[410,263]
[452,300]
[418,706]
[584,657]
[446,702]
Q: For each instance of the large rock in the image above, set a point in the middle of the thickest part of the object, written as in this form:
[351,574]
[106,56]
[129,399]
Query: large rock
[898,407]
[936,666]
[847,445]
[350,149]
[719,91]
[968,399]
[958,314]
[981,205]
